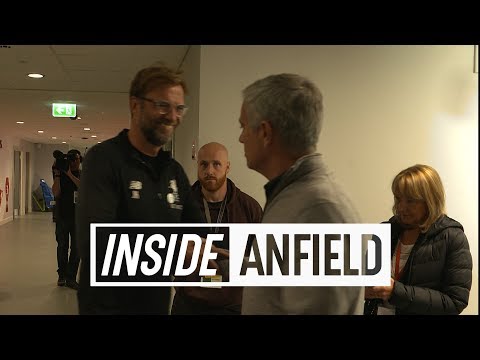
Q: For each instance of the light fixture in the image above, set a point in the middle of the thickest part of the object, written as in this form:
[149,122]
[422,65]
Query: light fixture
[35,76]
[86,129]
[94,136]
[40,131]
[54,137]
[64,142]
[20,122]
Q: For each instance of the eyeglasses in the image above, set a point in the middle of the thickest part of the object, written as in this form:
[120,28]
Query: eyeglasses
[165,107]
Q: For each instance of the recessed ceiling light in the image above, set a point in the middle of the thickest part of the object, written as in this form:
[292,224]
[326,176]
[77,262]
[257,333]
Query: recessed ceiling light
[94,135]
[64,142]
[99,142]
[86,129]
[40,131]
[79,118]
[54,137]
[20,122]
[35,76]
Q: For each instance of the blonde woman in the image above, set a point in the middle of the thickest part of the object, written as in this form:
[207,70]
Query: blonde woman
[431,259]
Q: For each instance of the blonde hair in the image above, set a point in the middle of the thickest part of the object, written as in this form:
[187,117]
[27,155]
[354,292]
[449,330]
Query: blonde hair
[421,182]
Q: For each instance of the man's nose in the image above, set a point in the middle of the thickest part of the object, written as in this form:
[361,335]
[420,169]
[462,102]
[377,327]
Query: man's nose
[209,169]
[172,117]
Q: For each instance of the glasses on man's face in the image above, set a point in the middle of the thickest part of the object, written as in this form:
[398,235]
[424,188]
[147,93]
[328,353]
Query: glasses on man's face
[165,107]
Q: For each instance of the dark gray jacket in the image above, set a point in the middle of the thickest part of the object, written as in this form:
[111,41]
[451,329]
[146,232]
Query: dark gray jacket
[438,274]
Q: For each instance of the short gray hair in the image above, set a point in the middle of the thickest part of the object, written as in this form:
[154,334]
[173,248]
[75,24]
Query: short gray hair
[292,104]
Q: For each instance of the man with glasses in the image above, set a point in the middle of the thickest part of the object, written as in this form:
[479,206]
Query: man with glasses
[130,179]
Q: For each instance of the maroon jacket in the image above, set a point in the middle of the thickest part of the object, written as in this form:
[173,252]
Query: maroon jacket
[240,208]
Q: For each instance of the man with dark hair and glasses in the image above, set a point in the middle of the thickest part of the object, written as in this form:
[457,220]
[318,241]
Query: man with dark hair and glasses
[131,179]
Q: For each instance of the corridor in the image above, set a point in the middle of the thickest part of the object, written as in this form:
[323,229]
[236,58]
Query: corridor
[28,269]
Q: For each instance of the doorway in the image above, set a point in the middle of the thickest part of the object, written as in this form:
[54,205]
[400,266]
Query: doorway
[16,183]
[27,198]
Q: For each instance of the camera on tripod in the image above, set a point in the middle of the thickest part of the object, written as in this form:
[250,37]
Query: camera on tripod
[62,162]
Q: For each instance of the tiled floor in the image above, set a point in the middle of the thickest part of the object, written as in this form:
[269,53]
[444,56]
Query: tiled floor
[28,269]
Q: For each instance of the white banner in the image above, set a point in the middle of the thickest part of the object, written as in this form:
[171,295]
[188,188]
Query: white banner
[279,254]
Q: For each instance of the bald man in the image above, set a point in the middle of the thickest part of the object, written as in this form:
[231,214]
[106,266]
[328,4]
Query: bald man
[221,202]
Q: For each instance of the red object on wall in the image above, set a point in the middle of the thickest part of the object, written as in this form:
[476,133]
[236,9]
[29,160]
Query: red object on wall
[7,191]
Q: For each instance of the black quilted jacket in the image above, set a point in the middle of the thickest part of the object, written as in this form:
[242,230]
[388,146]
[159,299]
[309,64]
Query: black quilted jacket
[438,274]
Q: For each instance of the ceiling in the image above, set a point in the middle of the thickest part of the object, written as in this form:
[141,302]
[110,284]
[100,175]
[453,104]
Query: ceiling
[95,77]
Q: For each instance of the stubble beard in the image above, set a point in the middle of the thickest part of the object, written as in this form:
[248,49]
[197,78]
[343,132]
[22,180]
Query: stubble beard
[155,138]
[207,185]
[152,134]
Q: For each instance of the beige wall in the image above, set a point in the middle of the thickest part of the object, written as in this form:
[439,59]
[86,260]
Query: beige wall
[6,170]
[9,145]
[41,161]
[386,108]
[44,161]
[187,132]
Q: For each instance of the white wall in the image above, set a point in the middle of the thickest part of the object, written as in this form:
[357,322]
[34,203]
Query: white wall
[386,108]
[6,170]
[9,145]
[23,147]
[44,161]
[26,146]
[41,160]
[187,132]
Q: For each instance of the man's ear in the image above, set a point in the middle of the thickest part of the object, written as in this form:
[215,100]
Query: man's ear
[266,132]
[228,167]
[134,105]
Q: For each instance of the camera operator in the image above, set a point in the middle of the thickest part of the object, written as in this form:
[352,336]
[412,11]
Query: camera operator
[66,174]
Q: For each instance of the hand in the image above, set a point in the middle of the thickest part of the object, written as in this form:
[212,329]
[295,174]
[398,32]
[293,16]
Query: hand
[69,172]
[379,292]
[222,253]
[212,264]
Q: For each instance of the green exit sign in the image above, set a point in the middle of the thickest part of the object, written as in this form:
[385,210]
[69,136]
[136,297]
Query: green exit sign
[64,110]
